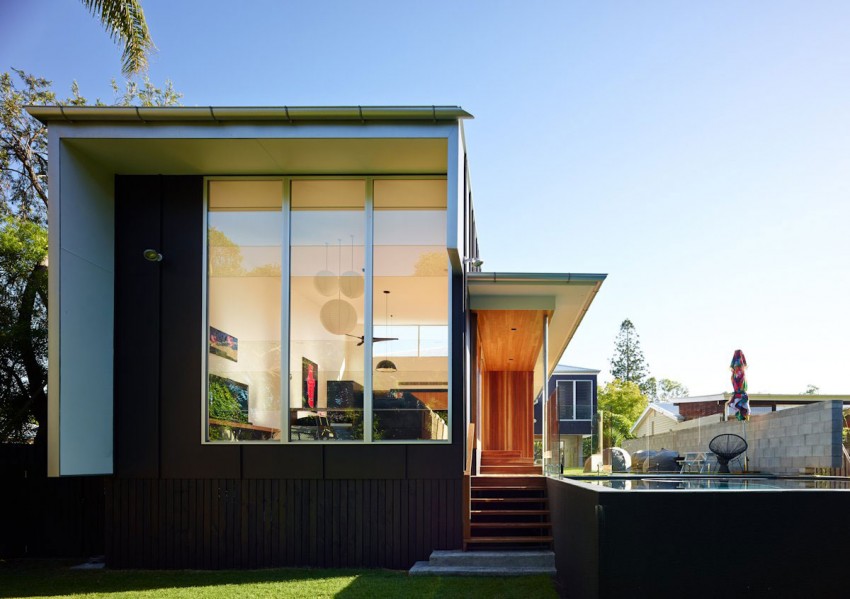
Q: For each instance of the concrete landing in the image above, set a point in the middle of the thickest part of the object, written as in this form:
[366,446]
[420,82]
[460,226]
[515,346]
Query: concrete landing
[486,563]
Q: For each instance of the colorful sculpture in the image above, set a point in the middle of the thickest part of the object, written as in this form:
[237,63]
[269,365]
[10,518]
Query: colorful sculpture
[739,401]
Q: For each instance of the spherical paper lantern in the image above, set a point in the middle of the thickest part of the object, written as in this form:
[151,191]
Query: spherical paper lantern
[326,283]
[351,284]
[338,317]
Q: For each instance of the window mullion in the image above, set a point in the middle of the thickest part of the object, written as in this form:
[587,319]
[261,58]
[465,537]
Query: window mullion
[285,279]
[368,326]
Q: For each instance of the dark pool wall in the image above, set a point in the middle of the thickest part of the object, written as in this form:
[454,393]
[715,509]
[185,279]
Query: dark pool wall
[699,543]
[174,503]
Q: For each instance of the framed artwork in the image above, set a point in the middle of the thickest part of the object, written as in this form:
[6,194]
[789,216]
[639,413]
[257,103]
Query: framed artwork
[309,383]
[224,345]
[228,399]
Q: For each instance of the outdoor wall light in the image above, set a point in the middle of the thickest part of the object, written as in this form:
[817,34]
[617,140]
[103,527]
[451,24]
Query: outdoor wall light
[474,262]
[152,255]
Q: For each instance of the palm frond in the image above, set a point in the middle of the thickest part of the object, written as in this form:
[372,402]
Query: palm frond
[124,21]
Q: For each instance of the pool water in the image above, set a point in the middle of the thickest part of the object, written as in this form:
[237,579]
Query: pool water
[736,483]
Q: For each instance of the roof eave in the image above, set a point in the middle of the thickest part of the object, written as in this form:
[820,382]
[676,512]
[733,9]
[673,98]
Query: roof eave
[286,114]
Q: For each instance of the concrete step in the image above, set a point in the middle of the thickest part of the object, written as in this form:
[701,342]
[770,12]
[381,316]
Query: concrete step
[493,559]
[426,569]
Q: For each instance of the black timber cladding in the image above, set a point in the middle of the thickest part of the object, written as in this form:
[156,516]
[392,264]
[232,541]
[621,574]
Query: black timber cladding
[175,502]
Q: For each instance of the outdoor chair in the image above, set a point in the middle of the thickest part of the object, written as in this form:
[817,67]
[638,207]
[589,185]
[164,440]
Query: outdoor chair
[727,447]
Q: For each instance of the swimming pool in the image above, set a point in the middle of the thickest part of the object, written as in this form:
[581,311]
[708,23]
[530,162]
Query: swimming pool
[718,483]
[711,536]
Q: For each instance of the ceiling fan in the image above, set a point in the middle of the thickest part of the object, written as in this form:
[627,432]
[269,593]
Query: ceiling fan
[374,339]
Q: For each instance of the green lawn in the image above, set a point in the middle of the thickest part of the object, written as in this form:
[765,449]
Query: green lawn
[37,578]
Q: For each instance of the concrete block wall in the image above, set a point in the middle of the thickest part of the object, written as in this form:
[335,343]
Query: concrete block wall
[783,442]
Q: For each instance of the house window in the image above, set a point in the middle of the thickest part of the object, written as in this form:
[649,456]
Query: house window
[575,400]
[244,237]
[291,265]
[326,294]
[410,311]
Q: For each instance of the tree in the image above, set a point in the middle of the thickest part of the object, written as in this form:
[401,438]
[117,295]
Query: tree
[23,329]
[669,389]
[23,245]
[811,390]
[628,363]
[124,21]
[620,402]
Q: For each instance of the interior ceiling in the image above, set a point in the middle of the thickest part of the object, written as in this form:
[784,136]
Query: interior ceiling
[266,156]
[510,339]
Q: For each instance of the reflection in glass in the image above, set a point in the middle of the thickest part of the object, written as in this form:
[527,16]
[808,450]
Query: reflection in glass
[327,269]
[410,261]
[244,236]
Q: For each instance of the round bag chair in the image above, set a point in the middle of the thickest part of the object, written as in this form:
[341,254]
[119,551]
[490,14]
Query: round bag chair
[727,447]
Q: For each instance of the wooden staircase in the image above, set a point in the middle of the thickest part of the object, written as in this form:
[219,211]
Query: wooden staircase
[500,461]
[508,512]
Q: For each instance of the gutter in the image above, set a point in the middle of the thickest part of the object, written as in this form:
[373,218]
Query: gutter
[289,114]
[532,278]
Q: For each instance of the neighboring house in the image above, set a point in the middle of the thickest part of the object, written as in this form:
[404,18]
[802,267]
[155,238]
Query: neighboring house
[575,390]
[657,418]
[760,403]
[269,332]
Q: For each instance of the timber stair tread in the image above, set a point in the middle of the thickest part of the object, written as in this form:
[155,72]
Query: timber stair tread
[508,512]
[510,499]
[507,488]
[510,525]
[512,540]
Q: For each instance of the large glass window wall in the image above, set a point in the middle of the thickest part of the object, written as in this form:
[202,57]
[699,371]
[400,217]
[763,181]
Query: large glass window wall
[298,270]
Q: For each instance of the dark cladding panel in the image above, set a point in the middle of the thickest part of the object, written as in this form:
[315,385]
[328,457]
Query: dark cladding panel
[435,461]
[183,455]
[458,317]
[137,325]
[365,461]
[303,461]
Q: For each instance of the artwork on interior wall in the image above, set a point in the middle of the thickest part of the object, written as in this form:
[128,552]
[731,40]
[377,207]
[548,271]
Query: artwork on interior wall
[224,345]
[343,395]
[309,383]
[228,399]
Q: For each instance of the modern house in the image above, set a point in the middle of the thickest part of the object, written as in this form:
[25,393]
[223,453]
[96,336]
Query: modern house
[270,333]
[573,391]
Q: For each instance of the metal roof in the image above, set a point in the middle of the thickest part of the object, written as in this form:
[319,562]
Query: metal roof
[286,114]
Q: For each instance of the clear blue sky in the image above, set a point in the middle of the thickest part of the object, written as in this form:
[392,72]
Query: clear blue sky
[698,153]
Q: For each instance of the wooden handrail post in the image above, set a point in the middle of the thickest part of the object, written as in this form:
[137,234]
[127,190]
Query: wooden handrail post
[467,484]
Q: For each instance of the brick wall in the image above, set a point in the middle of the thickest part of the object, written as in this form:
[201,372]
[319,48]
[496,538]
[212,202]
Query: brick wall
[784,442]
[692,411]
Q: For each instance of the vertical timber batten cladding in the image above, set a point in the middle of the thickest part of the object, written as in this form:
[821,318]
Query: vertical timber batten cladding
[175,503]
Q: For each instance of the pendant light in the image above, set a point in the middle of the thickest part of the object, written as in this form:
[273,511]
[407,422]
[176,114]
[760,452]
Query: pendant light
[337,315]
[325,281]
[386,365]
[351,282]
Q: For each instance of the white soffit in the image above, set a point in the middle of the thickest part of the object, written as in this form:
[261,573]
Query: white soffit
[566,296]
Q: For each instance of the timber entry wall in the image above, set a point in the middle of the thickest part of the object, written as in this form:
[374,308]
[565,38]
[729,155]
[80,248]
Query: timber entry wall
[175,503]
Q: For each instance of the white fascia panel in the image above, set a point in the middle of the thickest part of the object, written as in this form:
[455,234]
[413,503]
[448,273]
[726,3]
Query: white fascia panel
[82,266]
